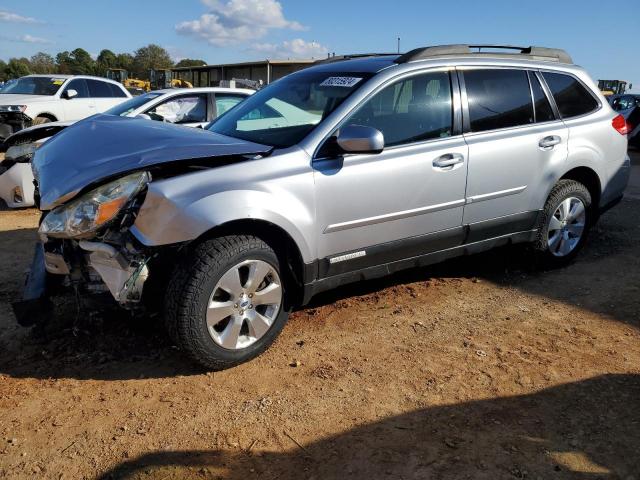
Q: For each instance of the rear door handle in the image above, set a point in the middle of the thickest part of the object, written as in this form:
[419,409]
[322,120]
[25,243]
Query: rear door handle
[547,143]
[448,160]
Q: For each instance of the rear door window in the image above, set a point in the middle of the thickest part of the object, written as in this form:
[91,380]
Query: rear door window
[99,89]
[498,98]
[226,102]
[573,98]
[116,91]
[544,112]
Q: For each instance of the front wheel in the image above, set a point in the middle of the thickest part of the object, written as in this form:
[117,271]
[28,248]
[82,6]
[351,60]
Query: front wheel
[40,121]
[226,304]
[565,223]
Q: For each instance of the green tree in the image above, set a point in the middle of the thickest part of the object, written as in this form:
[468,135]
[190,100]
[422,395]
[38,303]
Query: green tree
[106,59]
[17,67]
[82,63]
[189,62]
[151,56]
[64,62]
[3,67]
[124,60]
[43,63]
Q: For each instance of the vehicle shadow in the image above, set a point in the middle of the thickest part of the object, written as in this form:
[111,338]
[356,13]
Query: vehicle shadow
[584,430]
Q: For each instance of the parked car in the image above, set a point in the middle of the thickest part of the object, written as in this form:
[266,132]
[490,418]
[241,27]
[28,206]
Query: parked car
[628,105]
[193,107]
[400,161]
[37,99]
[623,102]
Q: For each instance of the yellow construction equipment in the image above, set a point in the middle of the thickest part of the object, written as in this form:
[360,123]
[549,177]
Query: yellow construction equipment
[122,76]
[162,78]
[613,87]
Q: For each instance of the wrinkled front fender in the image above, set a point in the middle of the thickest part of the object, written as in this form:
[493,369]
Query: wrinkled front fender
[171,215]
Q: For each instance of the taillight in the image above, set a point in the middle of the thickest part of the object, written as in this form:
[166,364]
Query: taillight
[621,125]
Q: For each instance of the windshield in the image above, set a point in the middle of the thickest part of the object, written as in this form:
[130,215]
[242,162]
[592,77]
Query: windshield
[283,113]
[125,108]
[33,86]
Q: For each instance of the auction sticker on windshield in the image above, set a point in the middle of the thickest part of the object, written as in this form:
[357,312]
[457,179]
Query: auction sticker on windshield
[57,81]
[340,82]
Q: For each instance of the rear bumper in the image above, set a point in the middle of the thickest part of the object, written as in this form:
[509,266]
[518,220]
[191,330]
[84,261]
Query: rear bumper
[615,187]
[35,305]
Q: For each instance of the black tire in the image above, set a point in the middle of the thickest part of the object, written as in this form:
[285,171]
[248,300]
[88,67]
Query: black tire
[563,190]
[189,292]
[40,120]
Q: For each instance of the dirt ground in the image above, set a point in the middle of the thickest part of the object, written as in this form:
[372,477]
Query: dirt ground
[479,368]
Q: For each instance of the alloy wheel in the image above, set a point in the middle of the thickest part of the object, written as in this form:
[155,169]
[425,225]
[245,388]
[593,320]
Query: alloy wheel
[566,226]
[244,304]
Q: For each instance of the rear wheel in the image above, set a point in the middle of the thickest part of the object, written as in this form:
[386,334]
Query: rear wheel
[225,305]
[566,219]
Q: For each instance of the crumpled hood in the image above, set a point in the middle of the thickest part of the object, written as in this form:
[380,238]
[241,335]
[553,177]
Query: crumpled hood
[18,99]
[105,146]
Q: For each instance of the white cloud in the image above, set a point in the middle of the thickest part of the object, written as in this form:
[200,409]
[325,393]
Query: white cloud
[26,39]
[31,39]
[236,21]
[296,48]
[6,16]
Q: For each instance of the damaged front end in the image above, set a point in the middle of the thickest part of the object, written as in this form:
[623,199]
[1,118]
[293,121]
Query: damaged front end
[92,180]
[12,122]
[86,245]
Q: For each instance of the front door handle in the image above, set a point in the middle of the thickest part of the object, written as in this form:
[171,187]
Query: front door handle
[547,143]
[448,160]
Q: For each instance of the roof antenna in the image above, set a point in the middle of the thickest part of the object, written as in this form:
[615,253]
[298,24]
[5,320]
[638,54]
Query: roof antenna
[398,45]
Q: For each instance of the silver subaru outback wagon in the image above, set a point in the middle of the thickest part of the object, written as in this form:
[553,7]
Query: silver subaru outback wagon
[348,170]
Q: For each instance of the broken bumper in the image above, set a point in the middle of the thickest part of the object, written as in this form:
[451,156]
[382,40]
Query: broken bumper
[35,305]
[97,267]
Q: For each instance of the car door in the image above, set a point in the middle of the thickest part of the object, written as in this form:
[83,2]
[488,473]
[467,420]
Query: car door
[80,106]
[515,138]
[189,109]
[105,94]
[406,201]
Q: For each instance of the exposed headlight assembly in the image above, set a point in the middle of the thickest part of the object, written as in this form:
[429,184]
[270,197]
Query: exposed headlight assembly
[82,217]
[12,108]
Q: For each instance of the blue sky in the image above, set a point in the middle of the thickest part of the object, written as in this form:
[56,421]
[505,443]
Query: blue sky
[599,37]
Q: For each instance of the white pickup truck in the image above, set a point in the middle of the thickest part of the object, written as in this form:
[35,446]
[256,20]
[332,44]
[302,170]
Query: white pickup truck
[37,99]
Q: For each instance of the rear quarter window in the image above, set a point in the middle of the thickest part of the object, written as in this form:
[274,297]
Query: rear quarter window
[573,98]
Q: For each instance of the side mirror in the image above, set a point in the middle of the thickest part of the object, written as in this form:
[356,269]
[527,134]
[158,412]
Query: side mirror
[144,116]
[360,139]
[71,93]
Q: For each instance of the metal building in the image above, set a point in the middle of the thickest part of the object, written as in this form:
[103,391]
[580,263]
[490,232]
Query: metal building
[265,70]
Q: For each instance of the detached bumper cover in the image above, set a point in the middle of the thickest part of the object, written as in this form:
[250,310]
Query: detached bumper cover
[35,306]
[16,185]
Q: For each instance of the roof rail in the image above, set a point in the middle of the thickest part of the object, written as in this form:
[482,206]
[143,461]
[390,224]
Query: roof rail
[340,58]
[531,53]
